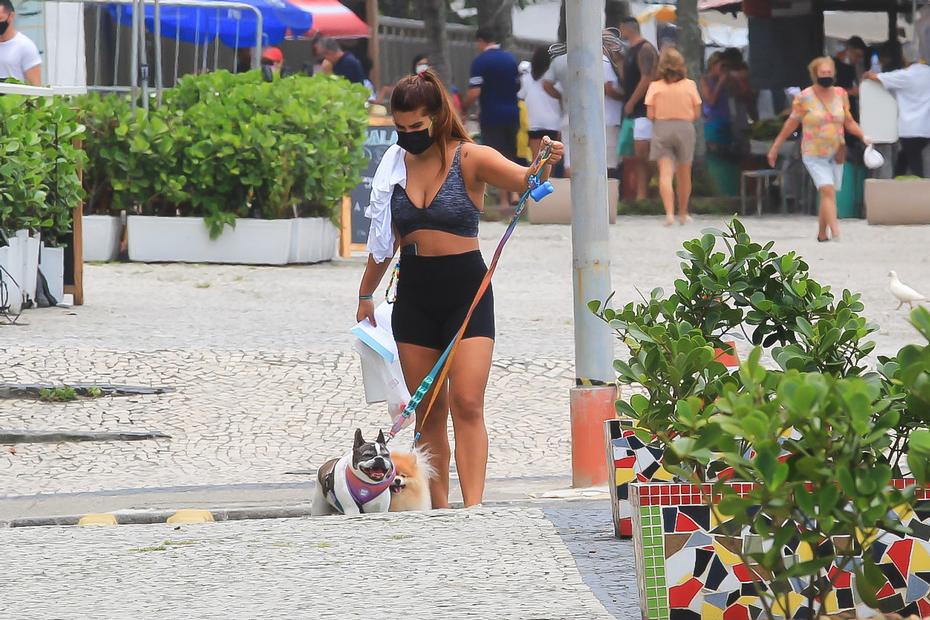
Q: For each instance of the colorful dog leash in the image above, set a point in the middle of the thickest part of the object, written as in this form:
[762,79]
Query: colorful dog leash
[537,190]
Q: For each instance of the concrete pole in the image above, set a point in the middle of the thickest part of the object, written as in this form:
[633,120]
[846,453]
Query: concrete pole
[134,56]
[592,399]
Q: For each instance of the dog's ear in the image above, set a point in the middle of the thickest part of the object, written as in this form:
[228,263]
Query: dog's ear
[359,440]
[381,437]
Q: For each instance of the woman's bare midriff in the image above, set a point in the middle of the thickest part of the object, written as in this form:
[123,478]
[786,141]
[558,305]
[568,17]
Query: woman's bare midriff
[438,243]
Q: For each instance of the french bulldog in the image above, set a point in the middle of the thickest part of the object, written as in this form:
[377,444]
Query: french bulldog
[356,483]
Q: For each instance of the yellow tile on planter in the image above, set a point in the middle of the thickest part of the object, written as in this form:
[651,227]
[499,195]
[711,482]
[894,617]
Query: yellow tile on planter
[726,556]
[831,604]
[710,612]
[920,559]
[662,475]
[625,475]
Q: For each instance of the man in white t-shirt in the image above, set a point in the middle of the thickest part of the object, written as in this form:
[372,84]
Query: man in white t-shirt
[554,82]
[911,89]
[19,56]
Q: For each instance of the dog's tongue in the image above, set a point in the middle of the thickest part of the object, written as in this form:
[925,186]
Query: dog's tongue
[377,475]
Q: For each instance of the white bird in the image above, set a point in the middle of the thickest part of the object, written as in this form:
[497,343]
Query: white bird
[903,293]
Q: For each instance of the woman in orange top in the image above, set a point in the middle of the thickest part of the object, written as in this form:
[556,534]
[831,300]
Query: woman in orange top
[673,104]
[822,111]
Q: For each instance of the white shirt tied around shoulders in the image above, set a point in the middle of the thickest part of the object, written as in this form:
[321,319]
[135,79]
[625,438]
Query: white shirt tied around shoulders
[391,171]
[911,88]
[17,56]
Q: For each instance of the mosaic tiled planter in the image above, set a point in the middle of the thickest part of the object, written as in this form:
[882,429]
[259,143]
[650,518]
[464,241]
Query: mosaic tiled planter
[688,567]
[630,458]
[634,456]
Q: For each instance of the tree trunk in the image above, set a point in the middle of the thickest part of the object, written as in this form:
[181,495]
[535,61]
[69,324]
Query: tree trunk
[434,23]
[691,46]
[497,15]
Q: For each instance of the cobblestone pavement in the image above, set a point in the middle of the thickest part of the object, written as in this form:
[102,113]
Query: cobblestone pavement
[266,380]
[482,563]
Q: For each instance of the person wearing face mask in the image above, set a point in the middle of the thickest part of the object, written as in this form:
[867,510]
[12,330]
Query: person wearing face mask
[419,64]
[426,200]
[19,56]
[822,112]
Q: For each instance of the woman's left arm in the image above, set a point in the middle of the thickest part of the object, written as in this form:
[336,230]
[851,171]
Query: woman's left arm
[494,169]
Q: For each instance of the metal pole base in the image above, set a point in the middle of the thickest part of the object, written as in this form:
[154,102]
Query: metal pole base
[590,408]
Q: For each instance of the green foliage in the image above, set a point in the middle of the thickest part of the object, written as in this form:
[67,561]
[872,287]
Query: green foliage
[820,436]
[223,146]
[58,394]
[813,444]
[731,283]
[39,163]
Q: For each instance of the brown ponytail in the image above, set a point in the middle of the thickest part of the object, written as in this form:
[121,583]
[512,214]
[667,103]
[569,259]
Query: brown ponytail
[425,90]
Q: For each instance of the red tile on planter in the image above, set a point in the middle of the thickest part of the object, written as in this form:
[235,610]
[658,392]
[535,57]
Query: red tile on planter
[900,554]
[684,523]
[886,591]
[682,595]
[736,612]
[742,573]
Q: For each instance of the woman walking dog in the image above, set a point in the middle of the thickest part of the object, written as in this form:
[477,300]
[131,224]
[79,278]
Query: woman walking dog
[426,200]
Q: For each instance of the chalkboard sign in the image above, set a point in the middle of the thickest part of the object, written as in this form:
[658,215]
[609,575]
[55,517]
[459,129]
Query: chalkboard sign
[379,137]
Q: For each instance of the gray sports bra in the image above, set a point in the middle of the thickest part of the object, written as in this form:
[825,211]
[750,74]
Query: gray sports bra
[451,211]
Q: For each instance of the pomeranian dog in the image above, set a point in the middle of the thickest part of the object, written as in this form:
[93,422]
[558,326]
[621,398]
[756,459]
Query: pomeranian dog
[410,489]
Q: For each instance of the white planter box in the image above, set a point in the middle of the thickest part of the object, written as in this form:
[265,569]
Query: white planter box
[186,240]
[313,240]
[52,265]
[897,202]
[20,259]
[556,208]
[101,236]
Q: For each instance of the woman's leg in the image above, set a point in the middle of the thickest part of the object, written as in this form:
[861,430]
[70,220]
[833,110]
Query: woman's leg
[416,362]
[683,179]
[828,213]
[468,379]
[666,190]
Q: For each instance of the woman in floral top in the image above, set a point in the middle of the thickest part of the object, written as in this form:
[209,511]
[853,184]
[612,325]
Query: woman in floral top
[822,112]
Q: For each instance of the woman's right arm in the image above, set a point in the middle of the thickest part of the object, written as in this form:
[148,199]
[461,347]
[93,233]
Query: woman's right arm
[791,125]
[374,273]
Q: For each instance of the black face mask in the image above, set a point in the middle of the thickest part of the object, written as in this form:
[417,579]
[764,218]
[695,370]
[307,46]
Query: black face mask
[3,27]
[826,82]
[414,142]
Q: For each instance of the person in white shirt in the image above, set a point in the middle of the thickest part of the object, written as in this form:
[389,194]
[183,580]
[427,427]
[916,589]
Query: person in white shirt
[911,89]
[613,115]
[542,109]
[19,56]
[554,84]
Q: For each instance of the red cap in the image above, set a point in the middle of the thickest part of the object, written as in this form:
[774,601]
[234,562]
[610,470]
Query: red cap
[273,54]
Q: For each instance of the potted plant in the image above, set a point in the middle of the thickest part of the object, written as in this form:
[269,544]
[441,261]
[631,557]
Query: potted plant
[39,185]
[241,161]
[780,496]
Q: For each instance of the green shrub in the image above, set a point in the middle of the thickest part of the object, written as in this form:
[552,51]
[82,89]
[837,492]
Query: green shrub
[821,435]
[223,146]
[39,181]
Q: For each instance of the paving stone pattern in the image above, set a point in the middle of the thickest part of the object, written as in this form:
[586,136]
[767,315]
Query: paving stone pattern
[479,563]
[266,380]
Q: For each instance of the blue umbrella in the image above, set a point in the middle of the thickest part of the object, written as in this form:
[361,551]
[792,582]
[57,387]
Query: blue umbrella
[234,27]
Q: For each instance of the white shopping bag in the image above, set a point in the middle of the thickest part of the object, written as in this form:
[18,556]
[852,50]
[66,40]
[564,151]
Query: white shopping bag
[382,376]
